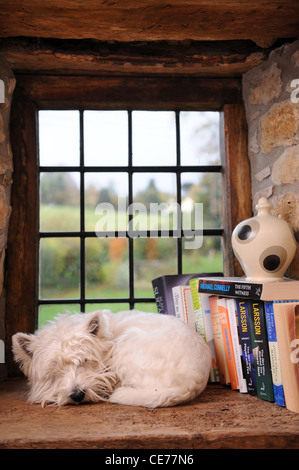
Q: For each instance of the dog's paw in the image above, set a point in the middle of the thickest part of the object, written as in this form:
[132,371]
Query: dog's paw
[150,398]
[135,397]
[123,396]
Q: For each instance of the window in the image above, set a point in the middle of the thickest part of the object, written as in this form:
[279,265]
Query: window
[83,95]
[125,196]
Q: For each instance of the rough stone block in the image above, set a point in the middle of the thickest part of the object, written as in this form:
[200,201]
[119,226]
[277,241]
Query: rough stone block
[267,85]
[287,205]
[266,192]
[253,145]
[280,126]
[264,173]
[286,168]
[295,58]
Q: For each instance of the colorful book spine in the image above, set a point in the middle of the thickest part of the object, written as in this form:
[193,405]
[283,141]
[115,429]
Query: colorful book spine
[205,305]
[197,309]
[228,344]
[188,306]
[241,288]
[246,345]
[162,287]
[260,351]
[219,346]
[274,355]
[287,328]
[234,327]
[230,288]
[203,325]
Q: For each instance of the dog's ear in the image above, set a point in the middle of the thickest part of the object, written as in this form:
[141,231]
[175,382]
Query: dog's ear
[94,323]
[22,346]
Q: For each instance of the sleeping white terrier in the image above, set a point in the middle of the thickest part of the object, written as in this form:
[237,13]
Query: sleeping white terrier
[130,358]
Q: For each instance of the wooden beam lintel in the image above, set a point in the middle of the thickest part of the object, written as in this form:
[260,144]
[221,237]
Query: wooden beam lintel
[90,57]
[136,20]
[129,92]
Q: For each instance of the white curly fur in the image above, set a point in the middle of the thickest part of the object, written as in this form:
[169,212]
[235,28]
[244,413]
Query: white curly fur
[131,358]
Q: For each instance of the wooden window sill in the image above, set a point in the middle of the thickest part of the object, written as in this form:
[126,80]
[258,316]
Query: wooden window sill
[218,419]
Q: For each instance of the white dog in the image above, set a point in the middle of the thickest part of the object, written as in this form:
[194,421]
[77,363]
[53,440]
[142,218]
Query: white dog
[131,358]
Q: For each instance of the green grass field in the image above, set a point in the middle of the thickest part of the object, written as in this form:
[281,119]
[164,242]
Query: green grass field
[108,278]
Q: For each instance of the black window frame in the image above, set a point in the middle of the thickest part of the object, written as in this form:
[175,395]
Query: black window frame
[130,170]
[52,91]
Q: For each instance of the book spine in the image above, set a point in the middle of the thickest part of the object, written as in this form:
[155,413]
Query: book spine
[184,305]
[230,288]
[260,350]
[197,308]
[205,304]
[160,297]
[228,344]
[188,306]
[246,344]
[274,354]
[286,321]
[233,321]
[177,302]
[219,346]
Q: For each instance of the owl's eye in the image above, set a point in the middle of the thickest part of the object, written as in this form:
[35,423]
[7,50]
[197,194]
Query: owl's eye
[273,258]
[244,232]
[271,262]
[247,232]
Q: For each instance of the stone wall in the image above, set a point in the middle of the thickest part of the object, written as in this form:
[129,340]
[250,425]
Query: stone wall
[7,85]
[271,96]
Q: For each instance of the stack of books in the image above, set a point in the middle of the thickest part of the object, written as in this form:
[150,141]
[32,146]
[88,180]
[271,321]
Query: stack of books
[252,330]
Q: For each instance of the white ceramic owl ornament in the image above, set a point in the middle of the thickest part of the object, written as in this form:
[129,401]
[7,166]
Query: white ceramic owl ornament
[264,245]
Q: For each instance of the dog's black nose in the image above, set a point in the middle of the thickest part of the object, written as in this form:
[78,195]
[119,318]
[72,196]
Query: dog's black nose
[77,396]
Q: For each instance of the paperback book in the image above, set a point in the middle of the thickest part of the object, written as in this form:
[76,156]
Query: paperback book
[234,327]
[274,355]
[219,344]
[228,344]
[286,316]
[203,325]
[260,350]
[246,345]
[251,328]
[162,287]
[240,288]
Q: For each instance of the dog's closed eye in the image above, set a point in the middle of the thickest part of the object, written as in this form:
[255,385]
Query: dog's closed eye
[83,362]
